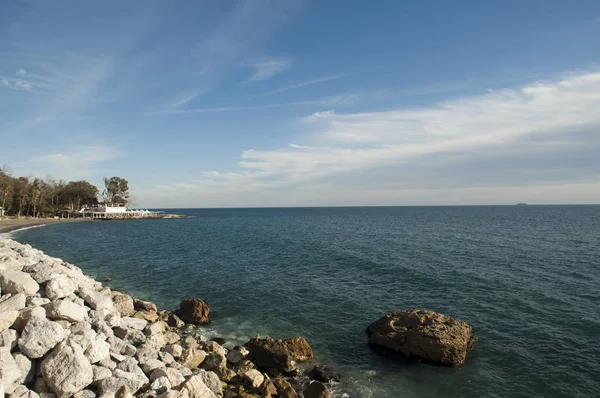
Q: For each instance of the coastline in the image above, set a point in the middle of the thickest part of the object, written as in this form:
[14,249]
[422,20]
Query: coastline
[54,317]
[13,224]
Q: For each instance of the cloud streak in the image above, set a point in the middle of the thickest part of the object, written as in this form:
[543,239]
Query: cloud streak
[266,70]
[394,148]
[305,84]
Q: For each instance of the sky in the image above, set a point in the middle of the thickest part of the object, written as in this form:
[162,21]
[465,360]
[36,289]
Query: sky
[260,103]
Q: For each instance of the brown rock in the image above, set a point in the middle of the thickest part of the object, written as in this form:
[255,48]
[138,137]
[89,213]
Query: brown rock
[284,389]
[317,389]
[141,305]
[268,388]
[124,304]
[278,355]
[150,316]
[424,335]
[323,374]
[194,311]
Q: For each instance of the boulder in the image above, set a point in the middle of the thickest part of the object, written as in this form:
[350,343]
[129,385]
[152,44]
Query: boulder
[284,389]
[8,339]
[136,377]
[149,316]
[12,302]
[9,370]
[151,365]
[278,355]
[160,385]
[123,304]
[27,367]
[237,355]
[254,378]
[173,375]
[423,335]
[317,389]
[18,282]
[40,336]
[174,321]
[324,374]
[174,349]
[192,357]
[100,373]
[110,386]
[97,300]
[67,370]
[26,314]
[133,323]
[196,388]
[60,286]
[7,318]
[66,310]
[98,349]
[212,381]
[194,311]
[141,305]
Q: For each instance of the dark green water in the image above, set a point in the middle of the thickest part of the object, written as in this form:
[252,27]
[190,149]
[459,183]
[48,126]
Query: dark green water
[526,277]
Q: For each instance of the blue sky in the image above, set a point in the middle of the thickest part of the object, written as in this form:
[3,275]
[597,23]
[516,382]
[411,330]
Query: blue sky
[303,103]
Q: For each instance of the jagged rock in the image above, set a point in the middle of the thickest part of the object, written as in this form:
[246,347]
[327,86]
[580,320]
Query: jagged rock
[190,342]
[11,302]
[100,373]
[268,388]
[146,352]
[41,387]
[108,387]
[278,355]
[424,335]
[196,388]
[128,365]
[98,349]
[154,328]
[66,310]
[8,339]
[317,389]
[67,370]
[25,315]
[173,375]
[244,366]
[175,394]
[141,305]
[53,395]
[107,363]
[174,349]
[212,381]
[151,365]
[137,377]
[237,355]
[124,392]
[133,336]
[23,392]
[149,316]
[284,389]
[59,286]
[96,300]
[37,301]
[7,318]
[83,335]
[174,321]
[171,337]
[160,385]
[82,394]
[254,378]
[18,282]
[133,323]
[225,374]
[214,360]
[323,374]
[27,367]
[40,336]
[9,371]
[123,304]
[129,350]
[194,311]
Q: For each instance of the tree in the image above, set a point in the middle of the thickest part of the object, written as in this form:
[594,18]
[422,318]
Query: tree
[6,187]
[116,190]
[78,193]
[21,190]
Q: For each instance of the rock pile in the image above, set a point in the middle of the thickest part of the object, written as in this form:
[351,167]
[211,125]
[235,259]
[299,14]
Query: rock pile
[64,334]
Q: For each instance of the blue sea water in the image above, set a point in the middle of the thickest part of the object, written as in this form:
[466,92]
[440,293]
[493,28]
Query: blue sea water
[526,277]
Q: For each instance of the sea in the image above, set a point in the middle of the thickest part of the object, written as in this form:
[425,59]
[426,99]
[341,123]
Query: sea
[527,278]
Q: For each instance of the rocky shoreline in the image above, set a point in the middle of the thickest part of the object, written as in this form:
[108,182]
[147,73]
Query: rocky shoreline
[64,334]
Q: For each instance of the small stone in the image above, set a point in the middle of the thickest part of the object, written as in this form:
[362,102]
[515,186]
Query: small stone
[192,357]
[236,356]
[133,323]
[7,319]
[84,394]
[11,302]
[173,375]
[27,367]
[141,305]
[171,337]
[161,384]
[151,365]
[155,328]
[100,373]
[174,349]
[254,378]
[98,349]
[149,316]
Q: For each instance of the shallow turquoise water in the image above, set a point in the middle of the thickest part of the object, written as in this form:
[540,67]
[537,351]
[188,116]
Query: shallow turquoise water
[526,277]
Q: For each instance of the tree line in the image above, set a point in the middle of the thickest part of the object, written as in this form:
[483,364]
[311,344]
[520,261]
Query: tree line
[48,197]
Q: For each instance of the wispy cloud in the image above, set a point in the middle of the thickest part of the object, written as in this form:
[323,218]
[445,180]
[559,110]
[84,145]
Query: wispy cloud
[341,100]
[16,84]
[408,150]
[76,162]
[266,70]
[305,84]
[196,110]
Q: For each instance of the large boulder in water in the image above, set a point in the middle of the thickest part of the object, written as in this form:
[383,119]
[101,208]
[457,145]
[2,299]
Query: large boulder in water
[278,355]
[424,335]
[195,311]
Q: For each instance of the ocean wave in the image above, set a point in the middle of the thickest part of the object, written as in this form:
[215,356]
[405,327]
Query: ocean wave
[9,234]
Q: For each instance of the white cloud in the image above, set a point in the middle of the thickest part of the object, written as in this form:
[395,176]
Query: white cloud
[16,84]
[410,147]
[21,72]
[76,162]
[266,70]
[196,110]
[305,83]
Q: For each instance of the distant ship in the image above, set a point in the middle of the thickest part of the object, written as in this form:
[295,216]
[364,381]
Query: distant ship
[521,204]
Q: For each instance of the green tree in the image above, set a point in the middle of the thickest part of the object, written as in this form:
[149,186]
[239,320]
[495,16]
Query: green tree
[6,188]
[78,193]
[116,190]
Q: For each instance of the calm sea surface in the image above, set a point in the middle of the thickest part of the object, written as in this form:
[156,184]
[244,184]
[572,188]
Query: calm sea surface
[526,277]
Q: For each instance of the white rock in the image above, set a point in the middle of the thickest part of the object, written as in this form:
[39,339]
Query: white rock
[100,372]
[146,352]
[174,376]
[59,286]
[37,301]
[161,385]
[165,357]
[67,370]
[67,310]
[171,337]
[107,363]
[27,367]
[8,339]
[128,365]
[133,323]
[82,334]
[132,336]
[113,320]
[197,389]
[23,392]
[13,302]
[254,378]
[9,371]
[108,387]
[175,394]
[155,328]
[18,282]
[98,349]
[25,315]
[123,304]
[96,300]
[47,394]
[84,394]
[7,318]
[174,349]
[151,365]
[137,377]
[40,336]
